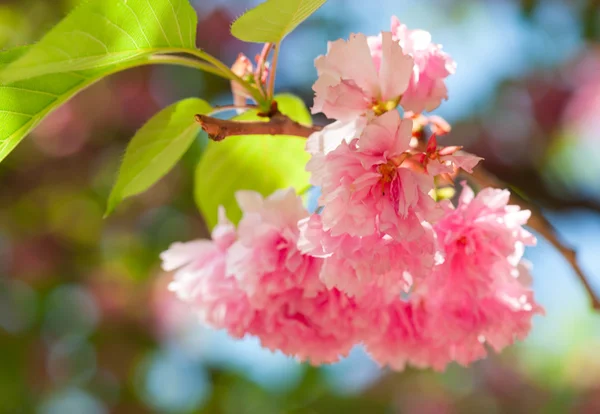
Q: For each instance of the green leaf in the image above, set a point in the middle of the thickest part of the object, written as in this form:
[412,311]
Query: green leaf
[263,163]
[272,20]
[102,33]
[156,148]
[23,104]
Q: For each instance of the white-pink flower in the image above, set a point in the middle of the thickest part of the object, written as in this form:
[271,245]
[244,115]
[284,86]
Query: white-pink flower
[265,259]
[405,338]
[319,329]
[427,86]
[368,189]
[476,295]
[362,266]
[255,281]
[350,84]
[201,280]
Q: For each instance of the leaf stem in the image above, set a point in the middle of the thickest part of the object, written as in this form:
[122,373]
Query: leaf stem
[271,90]
[228,73]
[188,62]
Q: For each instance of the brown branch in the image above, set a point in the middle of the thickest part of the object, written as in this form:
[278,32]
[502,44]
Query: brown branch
[279,124]
[539,223]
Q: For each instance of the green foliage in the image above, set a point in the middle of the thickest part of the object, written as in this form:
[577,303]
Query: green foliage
[156,148]
[263,163]
[272,20]
[104,33]
[23,104]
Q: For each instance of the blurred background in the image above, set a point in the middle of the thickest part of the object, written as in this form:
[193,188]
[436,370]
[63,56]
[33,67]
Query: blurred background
[86,322]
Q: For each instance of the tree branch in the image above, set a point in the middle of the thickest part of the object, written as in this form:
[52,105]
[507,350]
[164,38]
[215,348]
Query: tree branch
[539,223]
[279,124]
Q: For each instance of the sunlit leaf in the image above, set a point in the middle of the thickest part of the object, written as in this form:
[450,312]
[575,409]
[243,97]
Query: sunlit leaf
[23,104]
[103,33]
[263,163]
[156,148]
[272,20]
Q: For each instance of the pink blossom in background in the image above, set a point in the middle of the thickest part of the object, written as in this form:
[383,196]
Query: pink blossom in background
[365,187]
[351,84]
[582,113]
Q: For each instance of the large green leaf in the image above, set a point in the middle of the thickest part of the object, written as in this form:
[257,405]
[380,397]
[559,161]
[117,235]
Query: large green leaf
[263,163]
[23,104]
[103,33]
[156,148]
[272,20]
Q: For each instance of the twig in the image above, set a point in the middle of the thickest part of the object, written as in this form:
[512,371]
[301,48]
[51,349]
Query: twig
[278,124]
[539,223]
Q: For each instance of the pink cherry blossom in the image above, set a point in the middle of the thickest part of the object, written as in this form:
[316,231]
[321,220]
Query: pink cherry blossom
[320,329]
[201,280]
[476,295]
[331,136]
[265,259]
[405,339]
[255,281]
[350,84]
[427,88]
[365,187]
[360,266]
[447,160]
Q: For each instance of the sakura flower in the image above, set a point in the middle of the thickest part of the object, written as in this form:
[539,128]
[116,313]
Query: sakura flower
[264,259]
[447,160]
[201,280]
[359,266]
[255,281]
[365,187]
[319,329]
[476,295]
[405,339]
[426,88]
[351,84]
[330,137]
[484,232]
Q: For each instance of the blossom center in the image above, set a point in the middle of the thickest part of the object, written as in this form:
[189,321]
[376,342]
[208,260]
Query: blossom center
[388,172]
[381,108]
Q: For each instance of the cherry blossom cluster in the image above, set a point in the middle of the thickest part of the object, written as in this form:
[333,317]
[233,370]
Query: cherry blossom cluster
[385,261]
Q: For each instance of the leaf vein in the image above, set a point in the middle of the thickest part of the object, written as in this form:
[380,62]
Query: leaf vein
[137,19]
[176,21]
[117,27]
[162,29]
[90,36]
